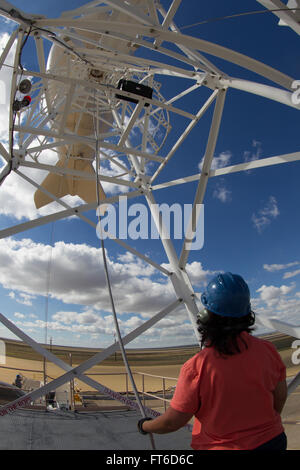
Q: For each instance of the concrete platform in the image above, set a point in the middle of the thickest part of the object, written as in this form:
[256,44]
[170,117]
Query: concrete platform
[66,430]
[110,430]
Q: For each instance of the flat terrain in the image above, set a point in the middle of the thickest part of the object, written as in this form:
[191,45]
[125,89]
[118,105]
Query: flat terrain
[163,362]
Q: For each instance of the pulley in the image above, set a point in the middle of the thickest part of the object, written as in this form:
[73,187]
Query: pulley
[25,86]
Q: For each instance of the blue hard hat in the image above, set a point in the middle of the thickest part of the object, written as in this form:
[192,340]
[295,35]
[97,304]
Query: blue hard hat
[227,295]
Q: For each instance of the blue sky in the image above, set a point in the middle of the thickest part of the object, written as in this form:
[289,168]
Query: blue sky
[251,218]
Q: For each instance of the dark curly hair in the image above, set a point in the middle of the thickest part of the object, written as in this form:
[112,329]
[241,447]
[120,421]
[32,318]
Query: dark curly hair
[223,333]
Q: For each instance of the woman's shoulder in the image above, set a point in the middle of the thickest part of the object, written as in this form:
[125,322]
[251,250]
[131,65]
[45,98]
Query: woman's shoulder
[195,361]
[262,345]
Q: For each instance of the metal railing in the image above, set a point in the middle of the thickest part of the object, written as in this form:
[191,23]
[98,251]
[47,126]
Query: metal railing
[157,396]
[163,390]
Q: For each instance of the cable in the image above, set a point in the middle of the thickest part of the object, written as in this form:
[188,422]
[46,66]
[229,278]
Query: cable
[10,163]
[47,294]
[121,345]
[16,14]
[236,15]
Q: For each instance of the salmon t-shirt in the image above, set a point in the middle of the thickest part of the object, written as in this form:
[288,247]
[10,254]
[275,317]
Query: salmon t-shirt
[231,397]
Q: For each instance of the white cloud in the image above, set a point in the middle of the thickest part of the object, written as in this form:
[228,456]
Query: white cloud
[291,274]
[19,315]
[222,160]
[271,294]
[255,153]
[17,195]
[111,170]
[77,276]
[197,274]
[265,215]
[285,308]
[222,193]
[170,330]
[22,298]
[278,267]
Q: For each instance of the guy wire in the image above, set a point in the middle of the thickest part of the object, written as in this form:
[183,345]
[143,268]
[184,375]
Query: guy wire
[121,345]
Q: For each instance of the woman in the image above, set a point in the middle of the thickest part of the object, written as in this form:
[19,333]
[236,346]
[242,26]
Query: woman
[235,387]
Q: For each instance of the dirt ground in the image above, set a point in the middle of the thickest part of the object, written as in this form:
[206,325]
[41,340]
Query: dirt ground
[164,362]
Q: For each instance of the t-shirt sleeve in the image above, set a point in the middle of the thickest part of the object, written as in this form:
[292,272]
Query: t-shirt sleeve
[186,397]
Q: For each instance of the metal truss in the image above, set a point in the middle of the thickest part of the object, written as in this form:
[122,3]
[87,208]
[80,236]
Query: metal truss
[97,45]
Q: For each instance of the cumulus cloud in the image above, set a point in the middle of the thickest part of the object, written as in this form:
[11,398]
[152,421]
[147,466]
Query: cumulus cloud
[278,267]
[77,276]
[220,161]
[284,307]
[291,274]
[265,215]
[197,274]
[278,302]
[222,193]
[19,315]
[22,298]
[77,279]
[255,153]
[271,294]
[108,168]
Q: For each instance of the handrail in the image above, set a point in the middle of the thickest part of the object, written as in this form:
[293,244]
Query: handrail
[142,374]
[158,376]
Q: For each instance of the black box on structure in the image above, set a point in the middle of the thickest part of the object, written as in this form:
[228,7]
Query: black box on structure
[136,88]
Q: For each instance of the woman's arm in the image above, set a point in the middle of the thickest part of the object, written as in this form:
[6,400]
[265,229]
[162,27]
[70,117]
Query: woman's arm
[170,421]
[280,396]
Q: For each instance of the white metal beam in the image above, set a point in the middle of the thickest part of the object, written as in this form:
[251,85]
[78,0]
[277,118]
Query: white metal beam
[269,92]
[287,16]
[108,89]
[186,132]
[207,161]
[85,9]
[80,174]
[119,61]
[96,359]
[14,85]
[42,66]
[133,11]
[179,278]
[286,158]
[152,11]
[4,152]
[204,63]
[182,40]
[89,141]
[130,124]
